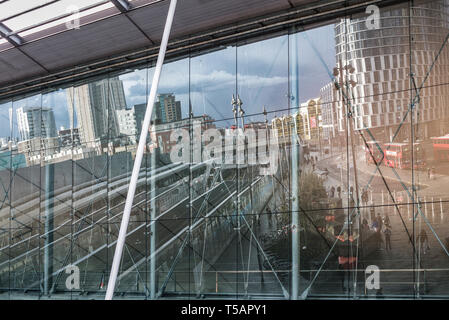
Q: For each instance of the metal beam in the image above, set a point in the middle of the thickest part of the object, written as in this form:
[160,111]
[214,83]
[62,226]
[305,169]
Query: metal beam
[122,5]
[5,32]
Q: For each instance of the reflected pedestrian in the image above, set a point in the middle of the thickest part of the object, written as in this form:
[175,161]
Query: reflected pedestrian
[339,191]
[423,241]
[375,225]
[387,232]
[365,226]
[380,222]
[387,220]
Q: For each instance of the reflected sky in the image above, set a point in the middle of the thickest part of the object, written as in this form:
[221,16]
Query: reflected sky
[262,79]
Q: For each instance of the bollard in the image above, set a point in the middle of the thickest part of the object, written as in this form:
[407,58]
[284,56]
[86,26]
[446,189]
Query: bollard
[433,210]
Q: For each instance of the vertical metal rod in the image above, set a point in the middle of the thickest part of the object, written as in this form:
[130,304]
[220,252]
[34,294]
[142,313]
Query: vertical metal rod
[295,186]
[425,207]
[394,198]
[153,288]
[139,154]
[49,227]
[383,202]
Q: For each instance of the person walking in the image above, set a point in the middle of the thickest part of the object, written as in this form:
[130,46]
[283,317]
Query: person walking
[387,232]
[332,191]
[379,221]
[339,191]
[423,241]
[387,220]
[378,230]
[365,197]
[365,226]
[375,225]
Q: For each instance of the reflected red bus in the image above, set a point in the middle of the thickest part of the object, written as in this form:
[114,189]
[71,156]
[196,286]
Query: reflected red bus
[398,155]
[441,148]
[373,149]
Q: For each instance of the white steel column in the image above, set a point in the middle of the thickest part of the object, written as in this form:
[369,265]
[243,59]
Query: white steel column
[295,183]
[138,161]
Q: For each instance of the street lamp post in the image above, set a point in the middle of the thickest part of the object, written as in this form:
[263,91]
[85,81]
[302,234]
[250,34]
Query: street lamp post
[339,71]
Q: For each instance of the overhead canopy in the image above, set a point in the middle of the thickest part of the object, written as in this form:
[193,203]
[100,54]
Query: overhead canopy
[47,42]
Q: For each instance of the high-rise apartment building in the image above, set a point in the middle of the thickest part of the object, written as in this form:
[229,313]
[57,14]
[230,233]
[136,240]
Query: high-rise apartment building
[384,58]
[95,106]
[167,109]
[36,122]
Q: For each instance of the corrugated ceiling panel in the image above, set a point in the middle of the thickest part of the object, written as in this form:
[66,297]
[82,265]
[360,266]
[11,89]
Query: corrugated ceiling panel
[193,16]
[15,65]
[94,41]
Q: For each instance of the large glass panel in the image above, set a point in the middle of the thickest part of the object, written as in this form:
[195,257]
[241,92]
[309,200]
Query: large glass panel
[264,92]
[285,167]
[27,196]
[215,190]
[131,90]
[7,141]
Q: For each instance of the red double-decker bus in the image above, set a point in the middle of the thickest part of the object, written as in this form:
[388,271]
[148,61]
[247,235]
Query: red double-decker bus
[399,155]
[441,148]
[373,149]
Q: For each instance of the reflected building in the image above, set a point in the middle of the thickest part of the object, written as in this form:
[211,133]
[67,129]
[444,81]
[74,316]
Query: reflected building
[307,123]
[38,134]
[69,138]
[36,122]
[167,109]
[127,124]
[95,107]
[380,58]
[139,115]
[328,111]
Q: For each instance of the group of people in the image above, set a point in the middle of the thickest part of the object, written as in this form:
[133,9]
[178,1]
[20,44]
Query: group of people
[380,225]
[313,160]
[334,192]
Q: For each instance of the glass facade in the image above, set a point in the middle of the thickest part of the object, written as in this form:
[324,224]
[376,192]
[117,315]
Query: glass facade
[308,165]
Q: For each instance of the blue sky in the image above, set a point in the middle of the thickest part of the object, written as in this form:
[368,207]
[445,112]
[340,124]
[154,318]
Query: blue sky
[262,79]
